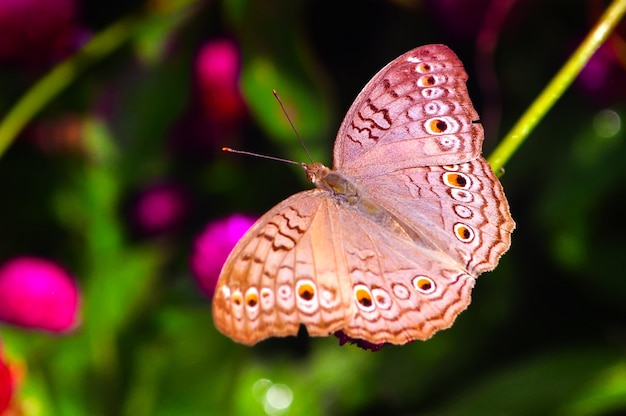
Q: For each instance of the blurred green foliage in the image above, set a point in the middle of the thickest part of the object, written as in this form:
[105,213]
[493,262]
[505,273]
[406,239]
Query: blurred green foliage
[545,333]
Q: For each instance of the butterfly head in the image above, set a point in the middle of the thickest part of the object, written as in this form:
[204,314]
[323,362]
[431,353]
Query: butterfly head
[315,172]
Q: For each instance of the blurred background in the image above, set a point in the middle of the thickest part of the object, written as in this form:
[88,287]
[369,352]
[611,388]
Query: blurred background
[117,207]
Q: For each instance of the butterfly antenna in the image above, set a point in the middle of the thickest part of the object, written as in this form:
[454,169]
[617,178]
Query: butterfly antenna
[243,152]
[292,126]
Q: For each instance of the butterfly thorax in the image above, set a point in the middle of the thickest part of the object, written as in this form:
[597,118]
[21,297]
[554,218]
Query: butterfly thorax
[340,186]
[346,192]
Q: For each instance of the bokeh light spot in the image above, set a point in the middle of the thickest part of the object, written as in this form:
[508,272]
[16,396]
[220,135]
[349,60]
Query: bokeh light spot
[278,399]
[607,123]
[275,398]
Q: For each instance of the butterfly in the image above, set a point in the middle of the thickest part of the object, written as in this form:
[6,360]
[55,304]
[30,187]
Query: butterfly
[388,245]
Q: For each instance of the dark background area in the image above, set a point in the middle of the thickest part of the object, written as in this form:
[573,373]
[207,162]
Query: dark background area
[545,333]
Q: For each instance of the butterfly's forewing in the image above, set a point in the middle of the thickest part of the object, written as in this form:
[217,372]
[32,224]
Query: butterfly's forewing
[412,141]
[415,112]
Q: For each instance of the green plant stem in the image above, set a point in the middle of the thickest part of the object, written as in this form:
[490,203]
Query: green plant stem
[60,77]
[558,85]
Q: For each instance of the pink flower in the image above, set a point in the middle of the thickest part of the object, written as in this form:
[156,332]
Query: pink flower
[6,385]
[37,32]
[218,111]
[159,208]
[212,247]
[217,78]
[37,293]
[11,376]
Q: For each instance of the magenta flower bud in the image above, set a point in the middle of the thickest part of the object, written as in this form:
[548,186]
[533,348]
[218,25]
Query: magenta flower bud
[217,64]
[37,293]
[212,247]
[602,77]
[217,77]
[219,110]
[159,209]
